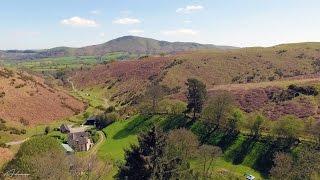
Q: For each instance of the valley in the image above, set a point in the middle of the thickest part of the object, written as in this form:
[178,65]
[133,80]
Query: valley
[128,93]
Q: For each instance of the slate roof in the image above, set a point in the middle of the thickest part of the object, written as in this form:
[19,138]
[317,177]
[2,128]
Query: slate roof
[79,137]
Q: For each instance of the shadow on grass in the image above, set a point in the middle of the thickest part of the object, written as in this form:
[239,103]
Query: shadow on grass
[227,140]
[244,149]
[143,123]
[265,161]
[174,122]
[138,124]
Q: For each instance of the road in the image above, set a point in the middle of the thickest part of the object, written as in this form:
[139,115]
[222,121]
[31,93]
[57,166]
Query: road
[95,148]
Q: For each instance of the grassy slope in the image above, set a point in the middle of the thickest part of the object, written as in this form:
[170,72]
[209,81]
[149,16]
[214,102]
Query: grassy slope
[123,133]
[113,148]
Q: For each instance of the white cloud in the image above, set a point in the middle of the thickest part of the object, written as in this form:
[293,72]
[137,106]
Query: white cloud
[102,34]
[187,21]
[136,31]
[190,9]
[95,12]
[79,22]
[180,32]
[127,21]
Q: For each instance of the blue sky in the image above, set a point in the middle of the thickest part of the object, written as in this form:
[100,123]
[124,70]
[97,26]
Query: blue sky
[33,24]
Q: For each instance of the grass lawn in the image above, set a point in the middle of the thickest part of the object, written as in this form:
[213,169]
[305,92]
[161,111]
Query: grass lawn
[113,148]
[226,170]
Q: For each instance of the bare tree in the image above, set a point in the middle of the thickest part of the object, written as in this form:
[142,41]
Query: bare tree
[89,167]
[50,165]
[207,155]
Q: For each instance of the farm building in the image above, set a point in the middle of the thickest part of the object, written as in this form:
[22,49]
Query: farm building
[79,141]
[91,121]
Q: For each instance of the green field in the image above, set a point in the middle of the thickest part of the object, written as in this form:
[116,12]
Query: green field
[114,147]
[72,62]
[123,133]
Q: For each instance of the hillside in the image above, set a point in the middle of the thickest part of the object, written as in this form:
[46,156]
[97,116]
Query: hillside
[126,80]
[28,100]
[129,44]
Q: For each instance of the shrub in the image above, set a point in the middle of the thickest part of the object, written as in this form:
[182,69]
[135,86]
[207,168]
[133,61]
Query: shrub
[288,127]
[2,121]
[23,131]
[20,86]
[172,106]
[47,130]
[94,135]
[110,109]
[24,122]
[2,94]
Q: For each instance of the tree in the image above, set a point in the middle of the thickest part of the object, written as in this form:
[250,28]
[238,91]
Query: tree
[288,127]
[42,157]
[183,142]
[282,166]
[254,124]
[215,115]
[234,120]
[88,167]
[315,132]
[304,165]
[155,92]
[207,155]
[152,159]
[169,106]
[103,120]
[50,165]
[140,159]
[196,96]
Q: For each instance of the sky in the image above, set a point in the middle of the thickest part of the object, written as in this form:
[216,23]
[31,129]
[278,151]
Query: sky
[39,24]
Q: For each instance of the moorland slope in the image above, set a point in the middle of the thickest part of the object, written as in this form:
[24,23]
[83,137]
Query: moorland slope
[28,100]
[127,80]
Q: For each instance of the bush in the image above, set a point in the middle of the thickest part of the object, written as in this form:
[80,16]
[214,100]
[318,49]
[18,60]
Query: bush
[94,135]
[110,109]
[2,94]
[47,130]
[20,86]
[172,106]
[23,131]
[24,122]
[288,127]
[2,121]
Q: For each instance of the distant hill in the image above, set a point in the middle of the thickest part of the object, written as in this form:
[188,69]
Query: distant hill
[131,44]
